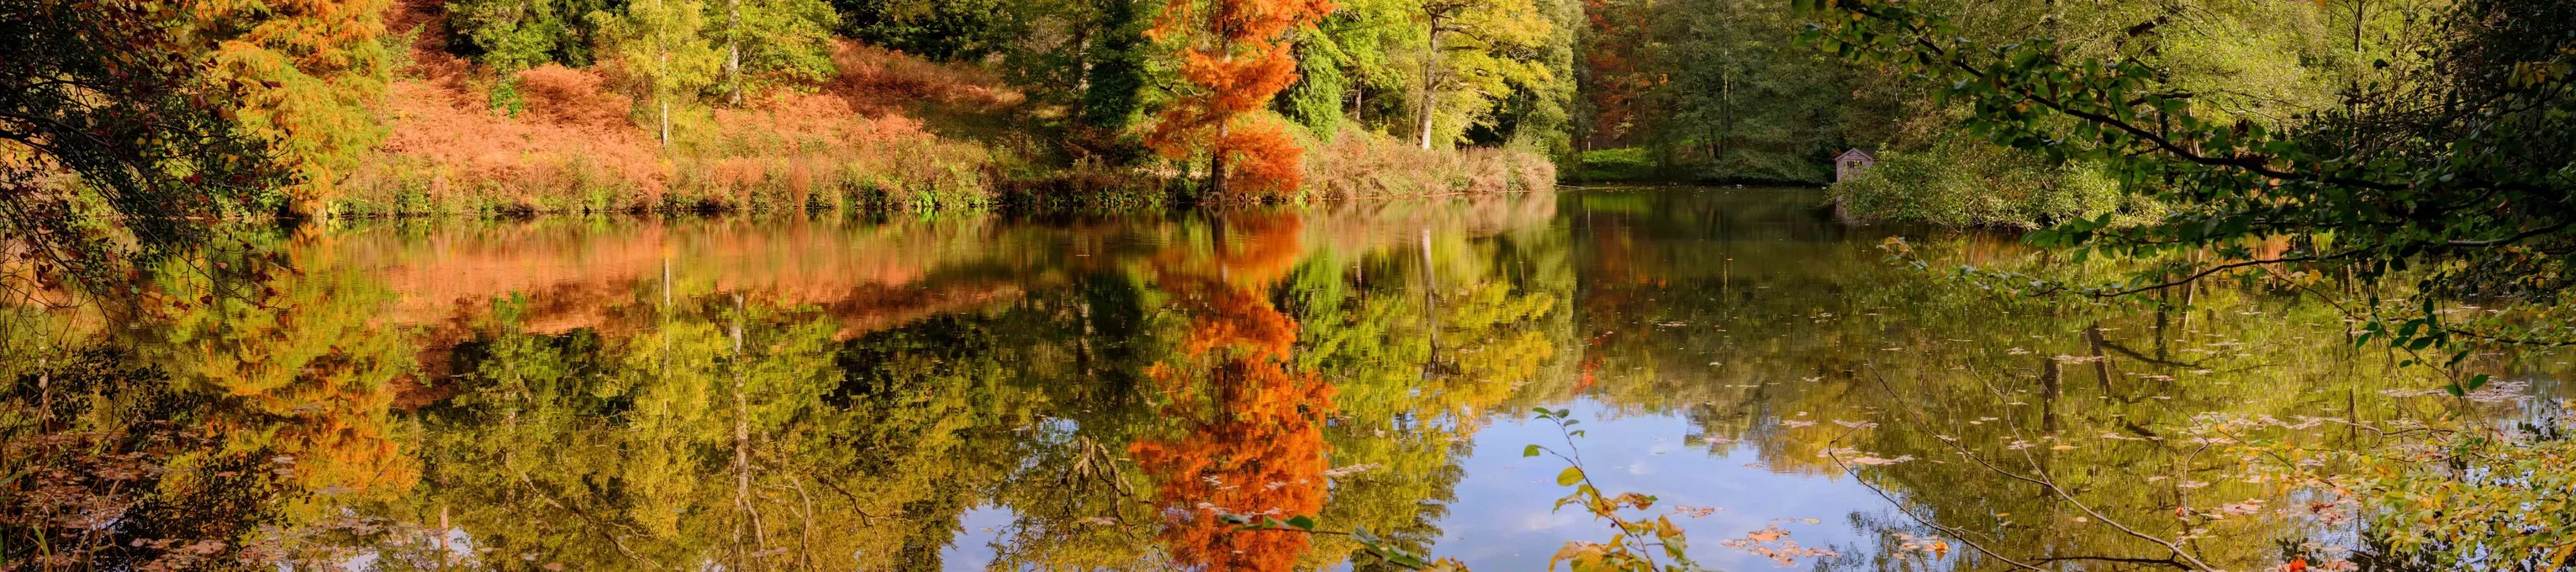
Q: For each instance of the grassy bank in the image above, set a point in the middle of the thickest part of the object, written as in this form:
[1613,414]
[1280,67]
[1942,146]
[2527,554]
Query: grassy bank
[1639,165]
[1354,164]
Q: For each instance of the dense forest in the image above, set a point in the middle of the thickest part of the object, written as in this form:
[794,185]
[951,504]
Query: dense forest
[507,105]
[510,105]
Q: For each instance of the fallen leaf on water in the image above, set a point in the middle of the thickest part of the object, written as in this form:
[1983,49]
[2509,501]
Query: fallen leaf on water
[1696,511]
[1350,469]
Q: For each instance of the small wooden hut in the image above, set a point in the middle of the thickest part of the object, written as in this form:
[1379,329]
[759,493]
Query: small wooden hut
[1851,163]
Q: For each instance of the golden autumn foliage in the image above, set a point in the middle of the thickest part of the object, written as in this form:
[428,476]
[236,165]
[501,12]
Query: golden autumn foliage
[310,74]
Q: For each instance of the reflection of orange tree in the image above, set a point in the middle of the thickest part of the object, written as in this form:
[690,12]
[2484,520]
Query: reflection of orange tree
[1253,440]
[306,373]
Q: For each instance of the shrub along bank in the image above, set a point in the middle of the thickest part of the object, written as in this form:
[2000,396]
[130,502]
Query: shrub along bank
[1969,184]
[887,131]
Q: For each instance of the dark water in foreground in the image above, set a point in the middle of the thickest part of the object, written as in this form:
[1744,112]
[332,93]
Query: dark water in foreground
[970,393]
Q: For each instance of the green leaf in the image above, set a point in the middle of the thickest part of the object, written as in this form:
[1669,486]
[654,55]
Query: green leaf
[1302,522]
[1406,560]
[1569,476]
[1530,451]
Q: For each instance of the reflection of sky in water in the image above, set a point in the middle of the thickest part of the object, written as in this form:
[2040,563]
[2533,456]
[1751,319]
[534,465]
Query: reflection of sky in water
[1501,519]
[973,550]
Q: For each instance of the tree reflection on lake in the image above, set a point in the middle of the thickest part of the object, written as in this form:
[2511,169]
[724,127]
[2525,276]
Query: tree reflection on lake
[973,392]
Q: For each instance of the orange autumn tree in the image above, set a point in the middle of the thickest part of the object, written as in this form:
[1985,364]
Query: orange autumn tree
[1251,435]
[1234,60]
[311,75]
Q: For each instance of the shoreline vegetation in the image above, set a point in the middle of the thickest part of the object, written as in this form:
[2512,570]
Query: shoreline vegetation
[887,131]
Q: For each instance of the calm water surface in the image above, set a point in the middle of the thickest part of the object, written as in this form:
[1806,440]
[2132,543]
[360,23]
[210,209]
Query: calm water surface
[974,392]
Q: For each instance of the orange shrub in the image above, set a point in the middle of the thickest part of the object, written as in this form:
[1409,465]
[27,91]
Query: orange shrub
[575,147]
[573,98]
[879,80]
[443,151]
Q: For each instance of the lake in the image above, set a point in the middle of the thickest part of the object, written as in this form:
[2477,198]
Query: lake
[976,392]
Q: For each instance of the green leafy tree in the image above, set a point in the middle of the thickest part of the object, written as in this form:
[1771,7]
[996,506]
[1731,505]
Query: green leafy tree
[665,44]
[948,30]
[1114,65]
[512,35]
[2457,161]
[1740,101]
[770,43]
[1475,54]
[1352,60]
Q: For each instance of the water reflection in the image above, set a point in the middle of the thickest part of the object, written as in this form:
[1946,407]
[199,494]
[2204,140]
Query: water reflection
[983,392]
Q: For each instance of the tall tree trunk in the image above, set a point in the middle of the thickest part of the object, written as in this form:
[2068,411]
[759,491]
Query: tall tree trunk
[1216,164]
[1725,100]
[733,50]
[1081,67]
[1359,106]
[1216,168]
[664,62]
[1430,81]
[2352,102]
